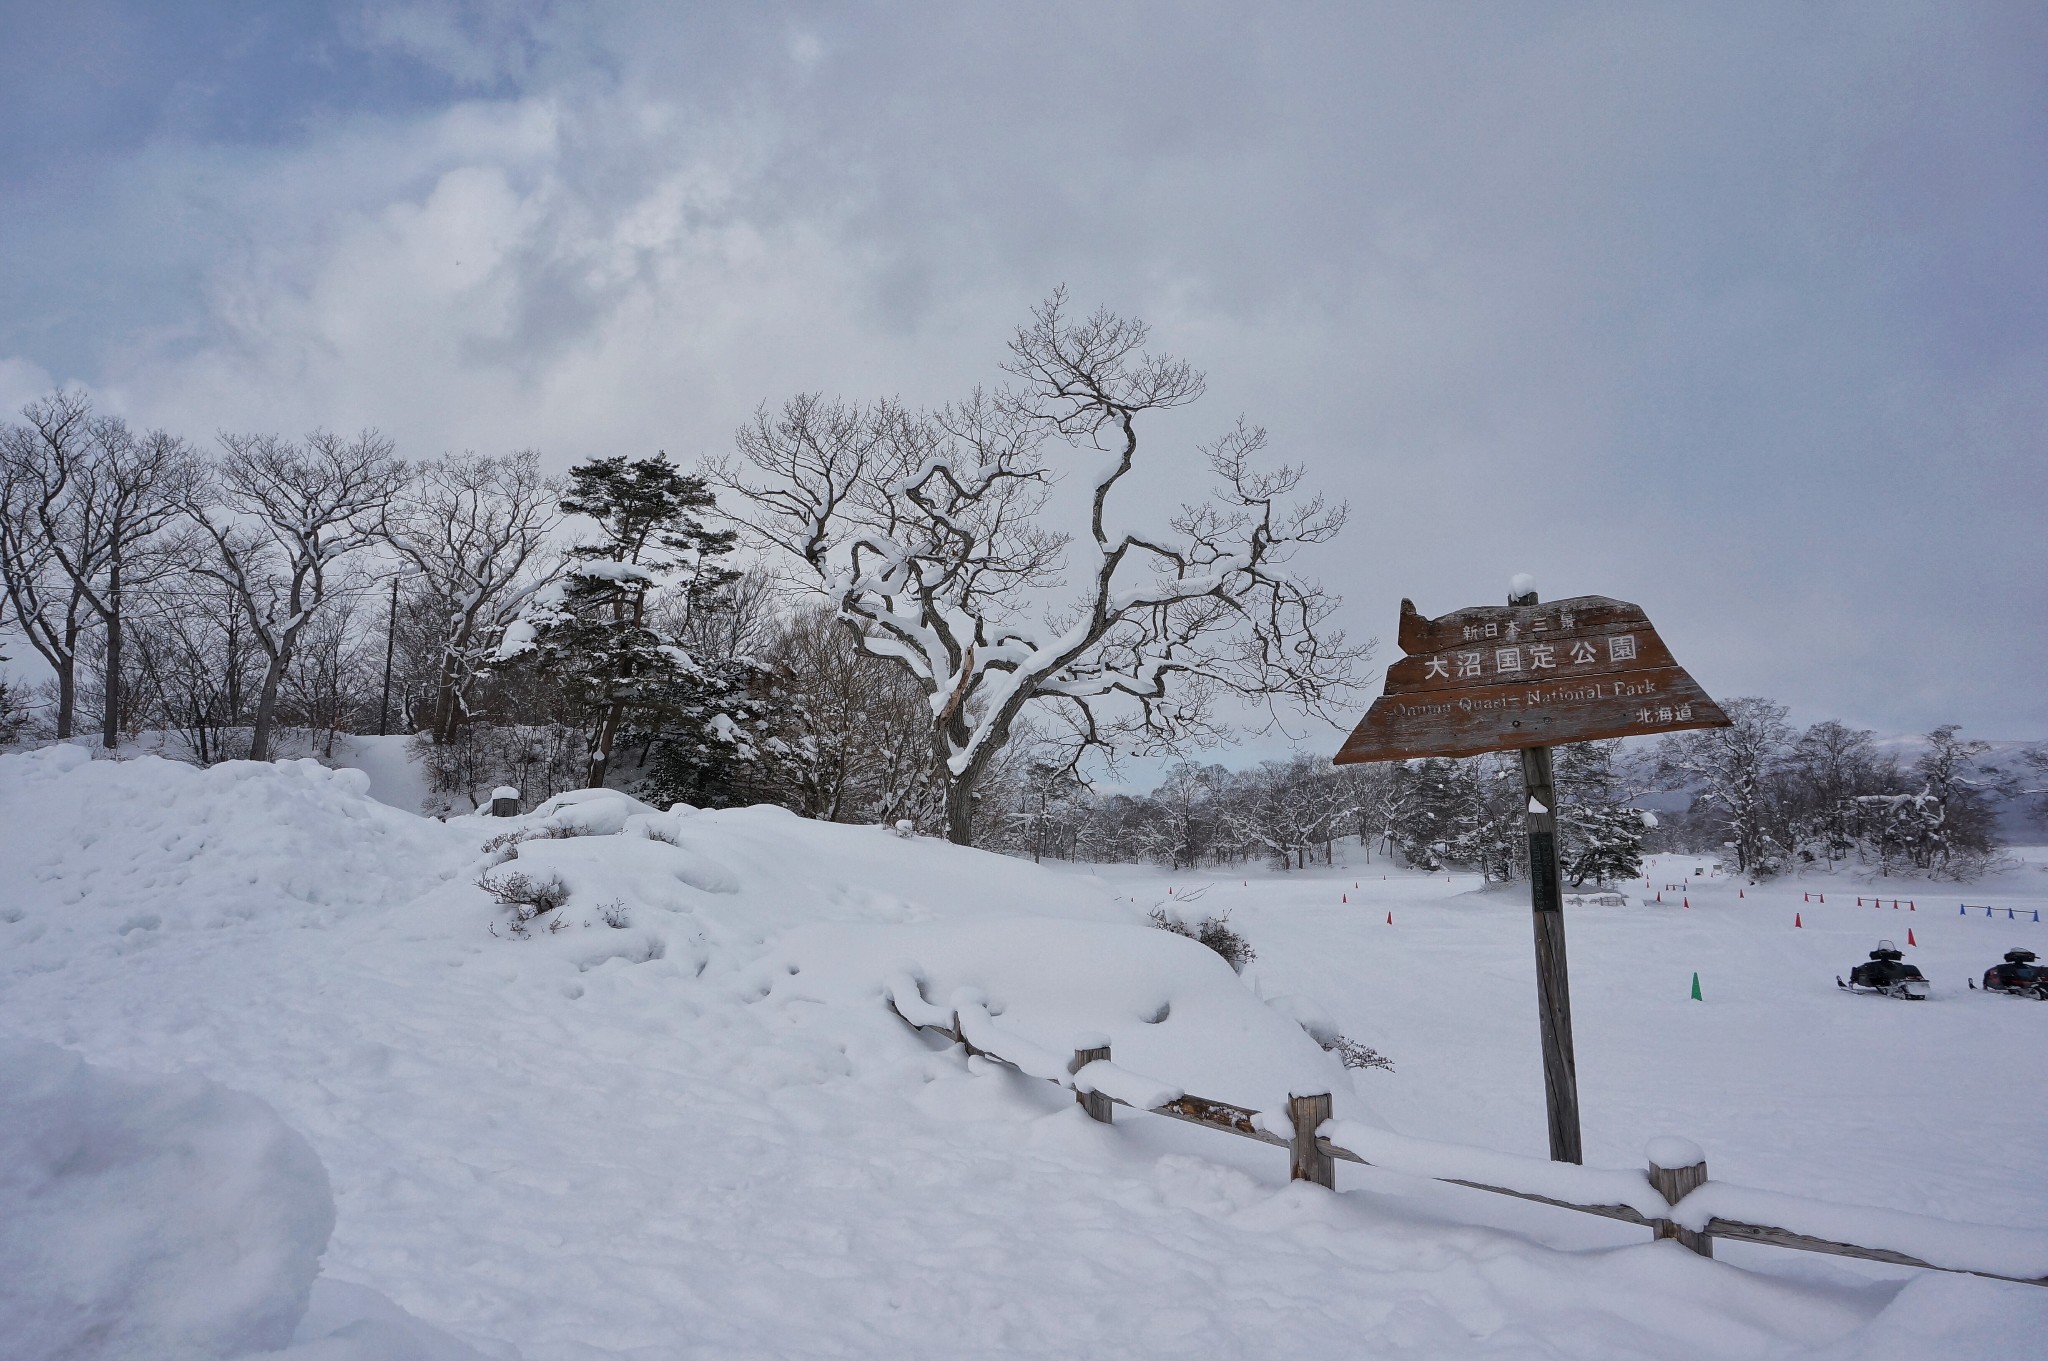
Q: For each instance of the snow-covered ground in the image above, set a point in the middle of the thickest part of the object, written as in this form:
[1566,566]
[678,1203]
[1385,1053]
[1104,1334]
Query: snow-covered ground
[700,1133]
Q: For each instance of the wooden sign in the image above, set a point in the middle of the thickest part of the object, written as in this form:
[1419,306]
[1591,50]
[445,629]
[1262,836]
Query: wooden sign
[1499,677]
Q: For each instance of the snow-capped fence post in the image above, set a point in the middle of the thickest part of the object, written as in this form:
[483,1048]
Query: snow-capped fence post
[1095,1103]
[504,802]
[1677,1169]
[1309,1162]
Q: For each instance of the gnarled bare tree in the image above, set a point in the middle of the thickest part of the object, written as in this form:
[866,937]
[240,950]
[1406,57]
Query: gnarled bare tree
[282,519]
[923,529]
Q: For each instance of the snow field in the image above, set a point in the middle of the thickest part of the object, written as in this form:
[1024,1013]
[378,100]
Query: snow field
[703,1133]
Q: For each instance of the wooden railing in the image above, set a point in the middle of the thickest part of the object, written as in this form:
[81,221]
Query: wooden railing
[1672,1197]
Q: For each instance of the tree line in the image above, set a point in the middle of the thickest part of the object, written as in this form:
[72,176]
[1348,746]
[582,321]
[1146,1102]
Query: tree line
[1768,798]
[867,612]
[913,624]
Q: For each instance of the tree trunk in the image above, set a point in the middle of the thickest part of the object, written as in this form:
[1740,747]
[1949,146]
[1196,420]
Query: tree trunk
[266,709]
[960,811]
[601,750]
[110,725]
[67,695]
[447,712]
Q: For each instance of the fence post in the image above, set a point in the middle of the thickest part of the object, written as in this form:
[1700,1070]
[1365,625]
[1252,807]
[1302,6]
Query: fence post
[1308,1162]
[1091,1048]
[1677,1168]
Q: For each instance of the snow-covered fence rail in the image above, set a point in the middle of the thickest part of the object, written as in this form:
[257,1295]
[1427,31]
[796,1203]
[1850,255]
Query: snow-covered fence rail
[1672,1197]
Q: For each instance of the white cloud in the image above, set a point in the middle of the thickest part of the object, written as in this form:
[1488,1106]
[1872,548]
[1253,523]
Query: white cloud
[1616,298]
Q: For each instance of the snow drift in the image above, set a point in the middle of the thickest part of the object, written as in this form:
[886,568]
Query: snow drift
[677,1116]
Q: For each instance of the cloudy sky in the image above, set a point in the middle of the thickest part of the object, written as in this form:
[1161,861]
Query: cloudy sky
[1734,311]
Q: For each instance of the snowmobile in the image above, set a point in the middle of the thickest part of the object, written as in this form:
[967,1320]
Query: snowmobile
[2019,975]
[1887,975]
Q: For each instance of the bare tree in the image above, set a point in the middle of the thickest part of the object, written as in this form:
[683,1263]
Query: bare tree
[475,530]
[923,530]
[282,519]
[85,500]
[49,609]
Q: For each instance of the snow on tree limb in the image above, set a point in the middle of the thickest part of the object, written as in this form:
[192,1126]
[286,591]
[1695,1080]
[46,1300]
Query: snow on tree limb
[923,528]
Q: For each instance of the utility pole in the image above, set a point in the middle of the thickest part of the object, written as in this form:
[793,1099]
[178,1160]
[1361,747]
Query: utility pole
[390,647]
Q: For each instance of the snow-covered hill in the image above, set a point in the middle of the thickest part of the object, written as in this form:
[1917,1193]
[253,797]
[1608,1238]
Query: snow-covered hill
[686,1124]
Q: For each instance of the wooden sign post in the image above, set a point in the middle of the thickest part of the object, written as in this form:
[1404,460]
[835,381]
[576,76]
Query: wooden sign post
[1521,678]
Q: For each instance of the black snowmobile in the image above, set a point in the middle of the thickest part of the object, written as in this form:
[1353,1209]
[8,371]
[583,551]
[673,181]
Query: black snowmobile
[1887,974]
[2019,975]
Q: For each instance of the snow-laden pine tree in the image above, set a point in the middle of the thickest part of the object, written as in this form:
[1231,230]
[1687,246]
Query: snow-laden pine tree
[591,628]
[1437,812]
[1493,826]
[1600,836]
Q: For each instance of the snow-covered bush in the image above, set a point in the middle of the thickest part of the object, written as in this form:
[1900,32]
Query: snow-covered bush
[1213,932]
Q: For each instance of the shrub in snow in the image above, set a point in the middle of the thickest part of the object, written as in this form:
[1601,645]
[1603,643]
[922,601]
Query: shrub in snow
[505,846]
[1356,1055]
[1213,932]
[527,895]
[160,1217]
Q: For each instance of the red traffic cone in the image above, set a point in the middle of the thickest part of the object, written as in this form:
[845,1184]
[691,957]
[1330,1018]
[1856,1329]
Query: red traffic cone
[1345,897]
[1390,919]
[1688,902]
[1796,921]
[1823,897]
[1738,893]
[1911,908]
[1909,938]
[1806,897]
[1859,902]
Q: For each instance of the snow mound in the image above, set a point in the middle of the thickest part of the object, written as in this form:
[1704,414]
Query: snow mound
[792,912]
[149,1216]
[108,857]
[170,1218]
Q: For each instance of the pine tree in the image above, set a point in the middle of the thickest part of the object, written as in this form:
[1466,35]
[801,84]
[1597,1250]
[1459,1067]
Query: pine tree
[592,630]
[1492,823]
[1436,814]
[1600,835]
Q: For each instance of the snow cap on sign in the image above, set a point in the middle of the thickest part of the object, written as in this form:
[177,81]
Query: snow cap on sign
[1521,584]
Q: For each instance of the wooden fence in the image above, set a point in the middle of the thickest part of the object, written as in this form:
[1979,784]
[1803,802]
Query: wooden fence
[1673,1198]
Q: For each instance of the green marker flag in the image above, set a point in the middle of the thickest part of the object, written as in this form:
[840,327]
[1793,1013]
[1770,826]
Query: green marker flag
[1696,988]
